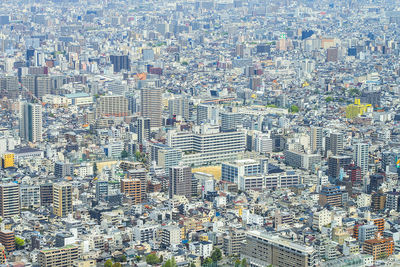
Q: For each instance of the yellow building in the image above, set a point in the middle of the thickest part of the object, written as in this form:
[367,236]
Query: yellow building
[7,161]
[357,109]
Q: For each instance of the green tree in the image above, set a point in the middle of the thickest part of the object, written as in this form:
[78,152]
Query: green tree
[216,255]
[170,263]
[207,261]
[192,265]
[124,154]
[329,99]
[244,263]
[152,259]
[294,109]
[19,242]
[117,264]
[108,263]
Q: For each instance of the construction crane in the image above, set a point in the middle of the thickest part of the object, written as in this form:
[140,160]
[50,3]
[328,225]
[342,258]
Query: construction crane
[31,94]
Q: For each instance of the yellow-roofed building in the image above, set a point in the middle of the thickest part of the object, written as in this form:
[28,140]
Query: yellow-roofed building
[357,109]
[7,161]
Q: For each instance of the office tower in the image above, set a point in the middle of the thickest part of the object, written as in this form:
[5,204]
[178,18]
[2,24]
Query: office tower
[151,105]
[179,107]
[336,163]
[46,194]
[316,139]
[59,257]
[230,121]
[7,239]
[330,195]
[361,157]
[62,199]
[336,143]
[120,62]
[9,200]
[263,249]
[112,106]
[30,122]
[180,180]
[132,188]
[143,130]
[332,54]
[379,248]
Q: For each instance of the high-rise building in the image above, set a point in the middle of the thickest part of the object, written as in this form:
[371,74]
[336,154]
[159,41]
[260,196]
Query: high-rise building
[143,130]
[361,157]
[179,107]
[30,122]
[336,163]
[10,202]
[62,199]
[112,106]
[170,236]
[393,201]
[30,196]
[151,105]
[120,62]
[101,189]
[46,194]
[262,249]
[378,201]
[132,188]
[336,141]
[180,181]
[232,242]
[141,175]
[207,113]
[59,257]
[230,121]
[332,54]
[316,139]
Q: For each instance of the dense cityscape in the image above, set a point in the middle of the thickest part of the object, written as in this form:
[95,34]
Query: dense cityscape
[199,133]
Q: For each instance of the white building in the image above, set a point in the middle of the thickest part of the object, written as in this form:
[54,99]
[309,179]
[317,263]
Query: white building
[321,218]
